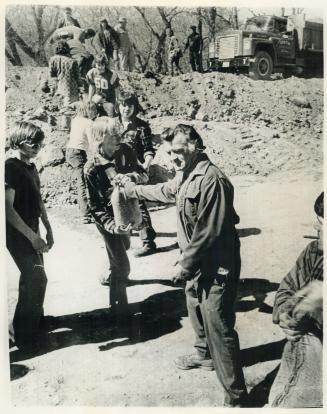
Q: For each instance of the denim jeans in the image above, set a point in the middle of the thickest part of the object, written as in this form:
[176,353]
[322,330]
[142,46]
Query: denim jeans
[77,158]
[210,303]
[147,233]
[32,286]
[119,267]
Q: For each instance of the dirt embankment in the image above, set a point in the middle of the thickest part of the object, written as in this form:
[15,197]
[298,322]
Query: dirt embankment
[248,127]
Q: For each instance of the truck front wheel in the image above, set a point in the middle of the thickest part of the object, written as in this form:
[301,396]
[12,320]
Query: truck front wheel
[262,67]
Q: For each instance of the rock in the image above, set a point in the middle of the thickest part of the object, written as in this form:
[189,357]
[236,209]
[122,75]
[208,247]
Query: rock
[201,116]
[191,112]
[39,113]
[17,77]
[300,101]
[246,146]
[19,112]
[51,156]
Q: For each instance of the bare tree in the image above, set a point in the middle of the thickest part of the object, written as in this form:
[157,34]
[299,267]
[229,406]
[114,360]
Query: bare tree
[34,26]
[159,33]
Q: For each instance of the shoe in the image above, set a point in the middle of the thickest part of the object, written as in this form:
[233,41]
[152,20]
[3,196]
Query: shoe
[194,361]
[146,250]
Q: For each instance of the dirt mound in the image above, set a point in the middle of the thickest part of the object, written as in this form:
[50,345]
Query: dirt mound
[249,127]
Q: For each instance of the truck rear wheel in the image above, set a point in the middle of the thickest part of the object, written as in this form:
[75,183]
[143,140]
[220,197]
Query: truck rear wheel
[262,67]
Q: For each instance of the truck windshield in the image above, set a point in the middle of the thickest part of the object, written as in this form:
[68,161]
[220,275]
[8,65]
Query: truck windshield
[258,23]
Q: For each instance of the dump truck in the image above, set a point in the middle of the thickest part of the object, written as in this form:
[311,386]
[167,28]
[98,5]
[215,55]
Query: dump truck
[267,44]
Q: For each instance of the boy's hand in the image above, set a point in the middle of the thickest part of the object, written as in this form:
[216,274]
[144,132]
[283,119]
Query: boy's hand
[129,187]
[39,245]
[49,237]
[121,179]
[290,327]
[123,230]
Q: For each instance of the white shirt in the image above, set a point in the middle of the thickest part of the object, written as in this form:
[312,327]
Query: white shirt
[80,137]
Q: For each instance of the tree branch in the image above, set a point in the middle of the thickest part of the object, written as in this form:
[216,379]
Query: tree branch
[146,21]
[12,34]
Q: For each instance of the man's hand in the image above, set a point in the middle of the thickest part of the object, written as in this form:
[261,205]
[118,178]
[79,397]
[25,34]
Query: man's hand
[290,327]
[178,277]
[129,188]
[123,230]
[49,237]
[121,179]
[39,245]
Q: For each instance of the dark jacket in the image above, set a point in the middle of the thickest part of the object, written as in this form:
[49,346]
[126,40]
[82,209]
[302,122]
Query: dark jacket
[107,40]
[205,217]
[98,177]
[194,42]
[308,267]
[142,141]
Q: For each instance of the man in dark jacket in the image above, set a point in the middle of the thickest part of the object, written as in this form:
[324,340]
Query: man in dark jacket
[210,258]
[67,19]
[107,40]
[194,43]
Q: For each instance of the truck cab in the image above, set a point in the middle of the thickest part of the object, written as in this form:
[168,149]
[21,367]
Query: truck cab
[266,44]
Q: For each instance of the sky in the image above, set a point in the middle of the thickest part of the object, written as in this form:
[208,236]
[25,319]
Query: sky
[245,12]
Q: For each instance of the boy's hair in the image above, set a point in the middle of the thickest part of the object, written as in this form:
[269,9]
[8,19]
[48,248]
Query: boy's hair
[319,205]
[101,59]
[167,135]
[88,33]
[86,109]
[62,48]
[191,134]
[102,127]
[128,97]
[24,132]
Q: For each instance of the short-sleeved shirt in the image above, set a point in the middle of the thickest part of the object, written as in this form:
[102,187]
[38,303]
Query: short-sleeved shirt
[105,83]
[24,179]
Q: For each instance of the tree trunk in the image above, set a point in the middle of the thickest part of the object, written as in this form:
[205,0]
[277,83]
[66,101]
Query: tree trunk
[200,33]
[14,53]
[235,18]
[11,58]
[212,22]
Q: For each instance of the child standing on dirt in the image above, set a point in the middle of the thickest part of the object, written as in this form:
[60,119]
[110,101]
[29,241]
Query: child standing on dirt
[24,208]
[77,148]
[111,159]
[137,134]
[103,85]
[64,74]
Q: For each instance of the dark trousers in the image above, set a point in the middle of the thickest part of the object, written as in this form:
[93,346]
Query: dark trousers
[210,304]
[77,158]
[31,293]
[119,267]
[195,60]
[147,233]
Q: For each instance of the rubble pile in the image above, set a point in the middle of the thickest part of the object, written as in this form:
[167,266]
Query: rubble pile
[248,127]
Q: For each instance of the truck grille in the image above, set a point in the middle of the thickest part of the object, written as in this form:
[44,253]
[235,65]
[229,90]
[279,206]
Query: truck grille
[228,47]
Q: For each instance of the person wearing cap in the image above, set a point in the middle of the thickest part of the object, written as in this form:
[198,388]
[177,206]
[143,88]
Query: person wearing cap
[126,57]
[67,19]
[106,40]
[210,260]
[299,313]
[194,43]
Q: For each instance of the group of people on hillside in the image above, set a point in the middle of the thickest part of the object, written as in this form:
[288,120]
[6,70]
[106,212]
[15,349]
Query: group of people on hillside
[109,146]
[118,47]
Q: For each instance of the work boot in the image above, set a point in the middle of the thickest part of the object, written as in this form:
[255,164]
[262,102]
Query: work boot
[145,250]
[194,361]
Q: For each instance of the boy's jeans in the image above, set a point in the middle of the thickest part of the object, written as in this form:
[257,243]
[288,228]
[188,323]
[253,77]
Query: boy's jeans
[32,287]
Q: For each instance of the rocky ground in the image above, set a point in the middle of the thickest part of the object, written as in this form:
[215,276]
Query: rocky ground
[249,127]
[267,136]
